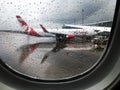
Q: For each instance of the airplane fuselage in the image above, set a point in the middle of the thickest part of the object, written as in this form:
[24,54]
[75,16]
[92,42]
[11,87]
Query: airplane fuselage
[76,32]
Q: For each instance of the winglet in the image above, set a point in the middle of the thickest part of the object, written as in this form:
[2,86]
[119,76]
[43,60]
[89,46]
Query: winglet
[44,29]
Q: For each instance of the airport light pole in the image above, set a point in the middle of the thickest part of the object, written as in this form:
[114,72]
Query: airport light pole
[82,16]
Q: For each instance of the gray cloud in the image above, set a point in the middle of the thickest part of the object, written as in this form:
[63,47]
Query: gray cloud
[54,13]
[105,13]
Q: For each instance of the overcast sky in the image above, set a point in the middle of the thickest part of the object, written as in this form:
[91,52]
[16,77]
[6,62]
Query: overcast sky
[54,13]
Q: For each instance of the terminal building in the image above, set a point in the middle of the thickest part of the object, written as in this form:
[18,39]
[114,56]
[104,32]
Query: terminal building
[102,24]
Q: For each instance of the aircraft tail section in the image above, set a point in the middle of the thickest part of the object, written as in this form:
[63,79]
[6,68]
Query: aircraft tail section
[23,24]
[43,28]
[26,28]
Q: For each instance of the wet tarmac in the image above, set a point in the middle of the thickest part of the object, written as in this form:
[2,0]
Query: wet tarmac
[43,58]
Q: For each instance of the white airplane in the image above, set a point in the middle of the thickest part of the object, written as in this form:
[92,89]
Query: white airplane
[97,29]
[62,34]
[39,32]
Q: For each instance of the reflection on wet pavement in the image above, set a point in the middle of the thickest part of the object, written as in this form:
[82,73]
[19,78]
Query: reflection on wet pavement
[48,61]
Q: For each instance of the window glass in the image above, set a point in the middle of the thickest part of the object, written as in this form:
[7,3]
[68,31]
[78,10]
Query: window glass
[54,39]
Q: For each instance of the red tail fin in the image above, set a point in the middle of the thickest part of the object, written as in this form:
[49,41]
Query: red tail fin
[44,29]
[23,24]
[25,27]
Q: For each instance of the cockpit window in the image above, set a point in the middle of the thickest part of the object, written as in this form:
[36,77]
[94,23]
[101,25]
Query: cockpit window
[54,39]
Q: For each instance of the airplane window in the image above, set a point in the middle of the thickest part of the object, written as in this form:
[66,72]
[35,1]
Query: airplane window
[54,39]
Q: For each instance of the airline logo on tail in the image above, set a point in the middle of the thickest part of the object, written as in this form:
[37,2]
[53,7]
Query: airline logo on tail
[22,23]
[44,29]
[26,28]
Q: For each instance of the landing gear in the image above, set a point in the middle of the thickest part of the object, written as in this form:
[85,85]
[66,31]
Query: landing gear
[61,38]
